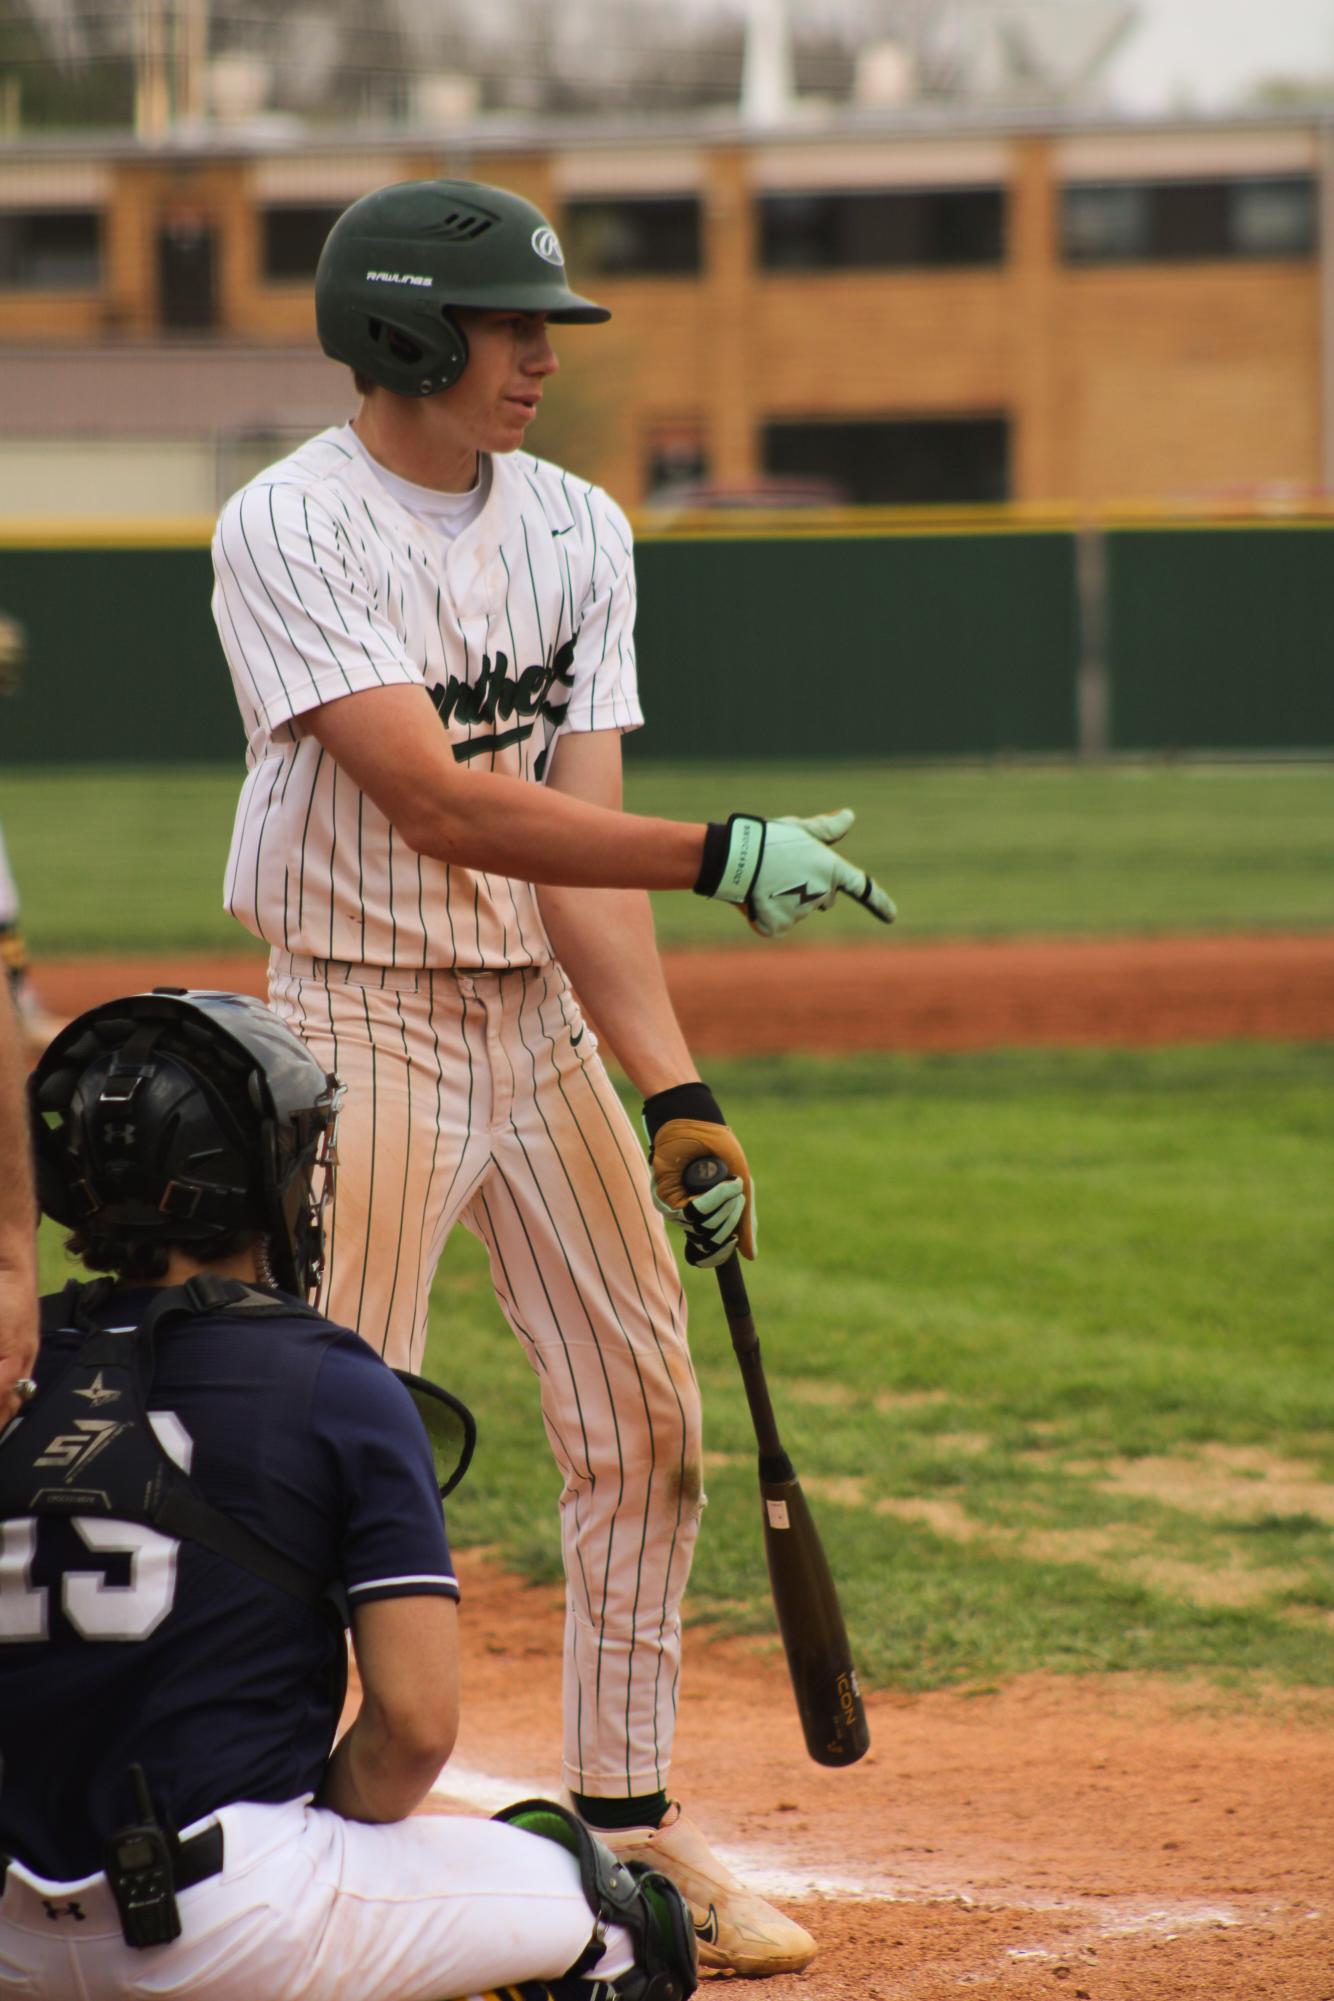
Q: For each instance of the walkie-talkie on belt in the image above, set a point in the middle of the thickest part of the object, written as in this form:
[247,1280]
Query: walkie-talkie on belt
[138,1868]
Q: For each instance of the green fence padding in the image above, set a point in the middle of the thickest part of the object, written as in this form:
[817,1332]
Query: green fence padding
[936,644]
[925,645]
[1221,639]
[123,666]
[895,646]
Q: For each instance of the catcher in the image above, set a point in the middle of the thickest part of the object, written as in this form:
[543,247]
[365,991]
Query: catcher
[206,1483]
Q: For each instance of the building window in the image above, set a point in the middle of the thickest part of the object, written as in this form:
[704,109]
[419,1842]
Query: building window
[898,462]
[1104,225]
[293,237]
[676,462]
[1177,221]
[898,229]
[51,250]
[654,236]
[1274,218]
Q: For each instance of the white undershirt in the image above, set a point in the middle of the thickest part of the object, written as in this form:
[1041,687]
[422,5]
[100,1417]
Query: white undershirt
[448,513]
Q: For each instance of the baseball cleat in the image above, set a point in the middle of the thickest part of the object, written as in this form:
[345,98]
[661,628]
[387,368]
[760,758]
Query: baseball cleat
[736,1931]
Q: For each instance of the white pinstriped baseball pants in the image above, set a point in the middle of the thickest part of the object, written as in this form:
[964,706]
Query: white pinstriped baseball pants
[480,1098]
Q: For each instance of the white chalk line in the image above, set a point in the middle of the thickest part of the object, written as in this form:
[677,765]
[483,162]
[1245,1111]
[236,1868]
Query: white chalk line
[772,1875]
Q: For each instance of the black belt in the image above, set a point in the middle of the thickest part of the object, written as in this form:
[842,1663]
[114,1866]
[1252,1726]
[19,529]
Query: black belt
[194,1861]
[198,1858]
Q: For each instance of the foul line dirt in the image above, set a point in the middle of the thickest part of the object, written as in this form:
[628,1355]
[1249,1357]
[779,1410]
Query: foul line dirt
[1105,1838]
[1121,991]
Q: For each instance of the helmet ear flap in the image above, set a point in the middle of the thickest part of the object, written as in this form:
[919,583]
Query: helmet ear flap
[406,366]
[454,354]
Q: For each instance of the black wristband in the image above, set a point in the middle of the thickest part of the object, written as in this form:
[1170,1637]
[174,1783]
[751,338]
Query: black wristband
[717,839]
[681,1101]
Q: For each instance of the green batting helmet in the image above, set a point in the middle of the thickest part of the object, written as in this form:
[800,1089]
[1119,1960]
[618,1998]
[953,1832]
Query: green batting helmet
[396,262]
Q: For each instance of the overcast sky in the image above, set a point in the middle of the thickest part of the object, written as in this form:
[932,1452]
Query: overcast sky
[1207,52]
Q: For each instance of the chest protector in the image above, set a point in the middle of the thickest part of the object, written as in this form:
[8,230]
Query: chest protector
[88,1448]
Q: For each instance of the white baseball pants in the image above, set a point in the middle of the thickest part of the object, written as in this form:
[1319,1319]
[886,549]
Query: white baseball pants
[479,1097]
[313,1908]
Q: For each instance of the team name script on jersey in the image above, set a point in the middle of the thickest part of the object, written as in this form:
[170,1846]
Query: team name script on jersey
[497,693]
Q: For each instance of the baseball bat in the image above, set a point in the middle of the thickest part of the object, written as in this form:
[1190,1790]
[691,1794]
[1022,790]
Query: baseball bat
[810,1620]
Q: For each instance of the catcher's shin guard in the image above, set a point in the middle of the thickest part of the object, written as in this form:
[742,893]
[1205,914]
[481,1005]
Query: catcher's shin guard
[650,1909]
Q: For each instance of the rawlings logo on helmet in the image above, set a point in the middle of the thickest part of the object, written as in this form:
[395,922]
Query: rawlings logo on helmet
[547,245]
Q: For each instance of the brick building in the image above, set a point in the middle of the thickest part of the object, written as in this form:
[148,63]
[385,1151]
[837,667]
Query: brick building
[893,313]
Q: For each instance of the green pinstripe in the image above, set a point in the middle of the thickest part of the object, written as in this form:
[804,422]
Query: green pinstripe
[435,1141]
[370,1193]
[407,1157]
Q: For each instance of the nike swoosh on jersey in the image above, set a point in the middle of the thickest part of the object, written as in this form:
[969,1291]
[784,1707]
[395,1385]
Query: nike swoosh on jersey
[562,531]
[708,1931]
[575,1040]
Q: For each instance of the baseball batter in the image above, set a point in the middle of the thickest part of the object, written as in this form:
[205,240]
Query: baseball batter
[431,639]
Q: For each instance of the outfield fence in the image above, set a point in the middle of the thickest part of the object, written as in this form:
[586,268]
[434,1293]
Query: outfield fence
[874,634]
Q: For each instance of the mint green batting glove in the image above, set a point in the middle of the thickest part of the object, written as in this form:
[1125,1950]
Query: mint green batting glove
[778,871]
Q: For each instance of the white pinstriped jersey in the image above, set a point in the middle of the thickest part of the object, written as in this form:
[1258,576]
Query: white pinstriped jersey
[519,627]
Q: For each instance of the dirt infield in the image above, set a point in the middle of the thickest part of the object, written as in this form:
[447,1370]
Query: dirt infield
[1098,1839]
[912,996]
[1101,1839]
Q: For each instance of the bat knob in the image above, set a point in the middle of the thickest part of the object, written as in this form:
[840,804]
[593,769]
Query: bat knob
[701,1174]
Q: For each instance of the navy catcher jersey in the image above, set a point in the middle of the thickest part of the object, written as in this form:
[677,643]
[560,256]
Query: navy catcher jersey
[119,1645]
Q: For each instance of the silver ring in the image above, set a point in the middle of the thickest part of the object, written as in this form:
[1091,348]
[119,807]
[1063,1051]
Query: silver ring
[25,1388]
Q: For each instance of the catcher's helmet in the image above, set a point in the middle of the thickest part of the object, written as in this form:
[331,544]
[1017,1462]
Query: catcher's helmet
[179,1117]
[397,260]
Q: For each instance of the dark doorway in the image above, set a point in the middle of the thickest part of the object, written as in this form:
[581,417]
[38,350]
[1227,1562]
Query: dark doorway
[187,275]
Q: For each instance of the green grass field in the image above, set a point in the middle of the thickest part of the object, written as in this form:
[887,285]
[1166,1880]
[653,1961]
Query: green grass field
[108,860]
[1028,1320]
[1048,1337]
[1047,1330]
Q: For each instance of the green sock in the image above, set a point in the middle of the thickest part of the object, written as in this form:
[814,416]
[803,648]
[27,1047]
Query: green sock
[645,1810]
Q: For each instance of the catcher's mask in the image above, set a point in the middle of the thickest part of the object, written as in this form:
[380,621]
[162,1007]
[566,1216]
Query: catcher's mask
[398,260]
[184,1118]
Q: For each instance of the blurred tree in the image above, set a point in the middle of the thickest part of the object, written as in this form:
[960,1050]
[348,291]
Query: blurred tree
[337,61]
[48,91]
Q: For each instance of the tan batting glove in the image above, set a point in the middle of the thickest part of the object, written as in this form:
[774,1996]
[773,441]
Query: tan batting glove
[685,1124]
